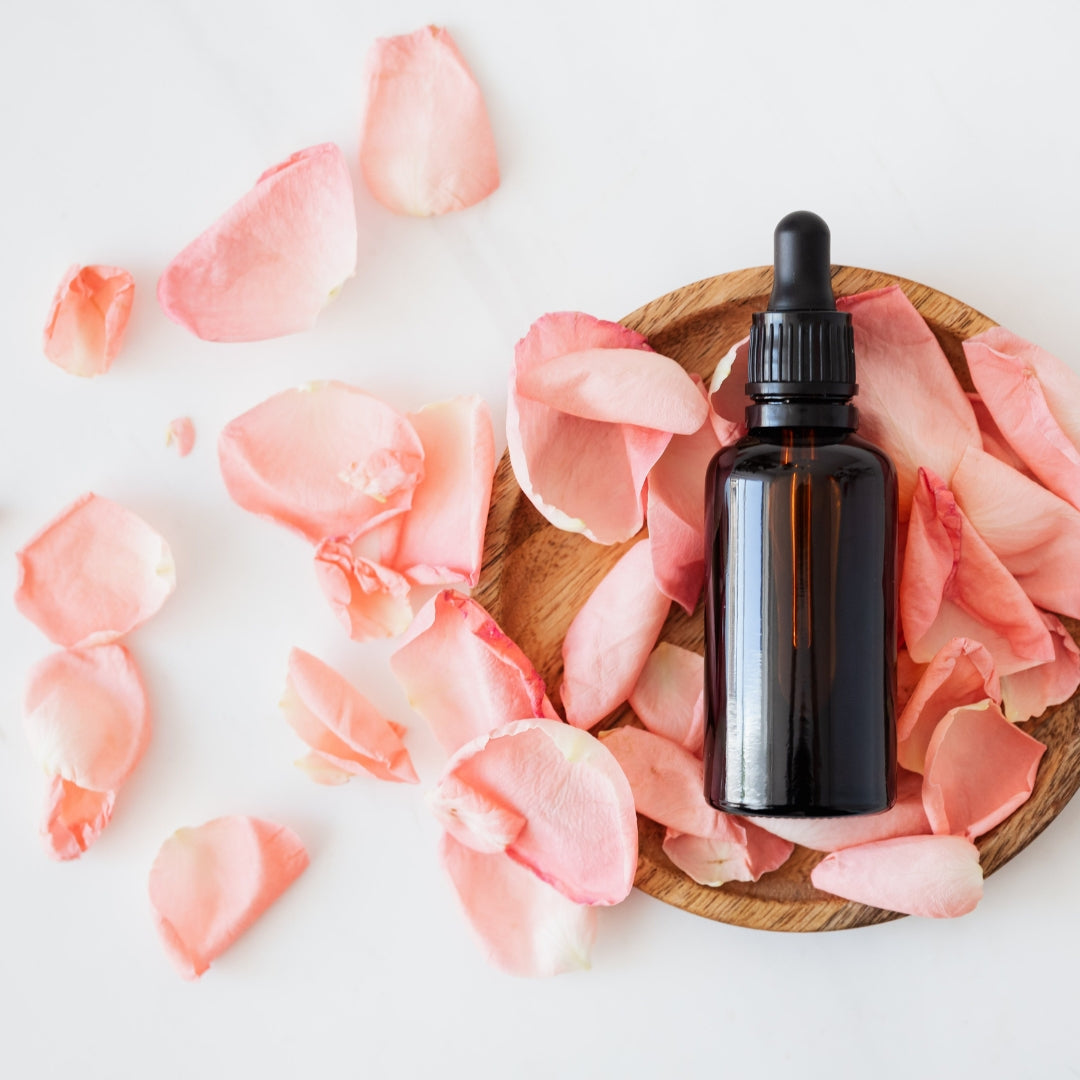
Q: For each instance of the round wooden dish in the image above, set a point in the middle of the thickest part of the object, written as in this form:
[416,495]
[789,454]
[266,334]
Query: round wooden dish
[536,577]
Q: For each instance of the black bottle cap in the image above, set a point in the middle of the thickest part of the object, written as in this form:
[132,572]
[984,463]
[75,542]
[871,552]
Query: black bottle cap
[801,346]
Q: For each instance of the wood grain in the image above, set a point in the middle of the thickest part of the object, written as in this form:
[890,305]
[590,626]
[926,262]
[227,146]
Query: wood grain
[536,577]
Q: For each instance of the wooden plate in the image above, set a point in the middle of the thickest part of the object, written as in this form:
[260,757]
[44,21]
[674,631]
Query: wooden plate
[536,577]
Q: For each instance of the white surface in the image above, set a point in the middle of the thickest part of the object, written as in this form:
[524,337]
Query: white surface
[643,146]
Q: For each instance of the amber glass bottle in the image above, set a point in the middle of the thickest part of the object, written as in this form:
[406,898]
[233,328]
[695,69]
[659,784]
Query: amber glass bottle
[800,596]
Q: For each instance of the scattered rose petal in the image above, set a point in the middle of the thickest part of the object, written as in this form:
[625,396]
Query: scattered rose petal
[340,724]
[744,854]
[938,877]
[524,925]
[324,459]
[93,574]
[426,146]
[210,883]
[908,674]
[1031,692]
[727,394]
[463,675]
[74,817]
[979,769]
[580,832]
[669,696]
[994,443]
[88,318]
[181,434]
[370,600]
[473,818]
[273,260]
[610,638]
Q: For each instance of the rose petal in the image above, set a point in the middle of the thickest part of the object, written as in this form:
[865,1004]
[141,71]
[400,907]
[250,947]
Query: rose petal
[340,724]
[908,674]
[369,600]
[324,459]
[938,877]
[1033,398]
[743,855]
[93,574]
[463,674]
[669,696]
[727,394]
[210,883]
[73,817]
[1031,692]
[524,925]
[910,403]
[426,146]
[580,832]
[473,818]
[610,638]
[953,585]
[181,434]
[994,443]
[979,769]
[273,260]
[88,318]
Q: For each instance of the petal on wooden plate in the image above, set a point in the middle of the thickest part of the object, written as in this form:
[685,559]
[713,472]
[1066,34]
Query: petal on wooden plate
[669,696]
[88,319]
[73,817]
[370,600]
[727,394]
[744,854]
[1031,692]
[993,442]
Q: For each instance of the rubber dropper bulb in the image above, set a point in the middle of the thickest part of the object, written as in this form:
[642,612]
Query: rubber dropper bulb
[801,275]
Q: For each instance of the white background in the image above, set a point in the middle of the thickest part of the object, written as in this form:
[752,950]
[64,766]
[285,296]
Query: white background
[643,146]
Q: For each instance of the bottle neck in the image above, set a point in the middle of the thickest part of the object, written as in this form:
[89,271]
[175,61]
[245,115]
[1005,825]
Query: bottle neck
[773,411]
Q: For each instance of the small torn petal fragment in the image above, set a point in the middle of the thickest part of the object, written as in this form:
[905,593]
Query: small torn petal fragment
[88,319]
[474,818]
[325,459]
[181,434]
[73,818]
[93,574]
[463,675]
[426,146]
[369,600]
[1031,692]
[210,883]
[979,769]
[744,854]
[524,925]
[340,724]
[610,638]
[580,832]
[727,394]
[669,696]
[938,877]
[1035,400]
[273,260]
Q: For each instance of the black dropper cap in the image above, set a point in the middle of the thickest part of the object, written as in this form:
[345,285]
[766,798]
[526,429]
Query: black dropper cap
[801,346]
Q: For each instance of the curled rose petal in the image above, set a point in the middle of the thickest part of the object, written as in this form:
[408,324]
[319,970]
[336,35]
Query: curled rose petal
[273,260]
[1031,692]
[743,854]
[88,318]
[580,832]
[993,442]
[426,146]
[463,675]
[938,877]
[93,574]
[979,769]
[727,394]
[369,600]
[324,459]
[210,883]
[73,818]
[524,925]
[669,696]
[181,434]
[908,674]
[610,638]
[340,724]
[473,818]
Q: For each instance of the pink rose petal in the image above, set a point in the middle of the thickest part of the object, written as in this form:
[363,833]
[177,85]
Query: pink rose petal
[473,818]
[524,925]
[324,459]
[340,724]
[463,674]
[979,769]
[669,696]
[73,818]
[580,832]
[744,854]
[370,600]
[727,394]
[273,260]
[610,638]
[88,318]
[993,442]
[908,674]
[426,146]
[181,434]
[93,574]
[938,877]
[209,884]
[1031,692]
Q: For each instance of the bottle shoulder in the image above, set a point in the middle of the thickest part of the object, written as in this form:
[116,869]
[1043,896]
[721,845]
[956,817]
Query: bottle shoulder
[801,450]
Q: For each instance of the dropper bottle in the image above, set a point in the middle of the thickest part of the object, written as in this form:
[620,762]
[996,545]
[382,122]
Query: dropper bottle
[800,595]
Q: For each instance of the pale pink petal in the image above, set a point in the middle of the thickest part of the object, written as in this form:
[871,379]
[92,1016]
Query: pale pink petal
[1031,692]
[938,877]
[442,537]
[580,832]
[324,459]
[93,574]
[953,585]
[961,673]
[210,883]
[993,442]
[73,817]
[669,696]
[1035,400]
[463,674]
[473,817]
[909,401]
[1034,533]
[525,926]
[979,769]
[369,600]
[340,724]
[273,260]
[322,770]
[181,434]
[908,674]
[88,318]
[610,638]
[743,854]
[426,145]
[727,394]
